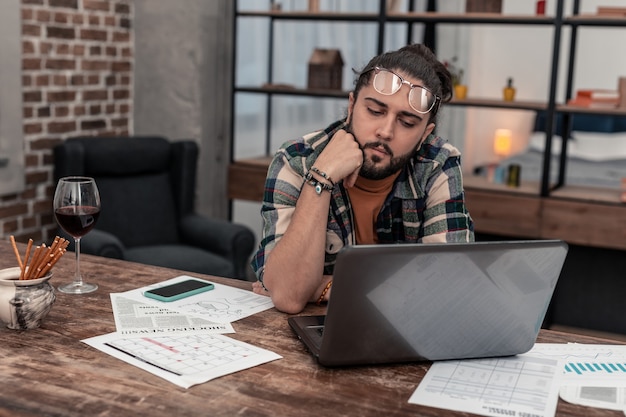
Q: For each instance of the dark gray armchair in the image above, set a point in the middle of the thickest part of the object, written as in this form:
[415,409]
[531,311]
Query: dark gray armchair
[147,187]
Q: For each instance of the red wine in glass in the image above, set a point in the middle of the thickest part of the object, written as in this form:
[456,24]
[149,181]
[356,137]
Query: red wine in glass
[77,208]
[77,221]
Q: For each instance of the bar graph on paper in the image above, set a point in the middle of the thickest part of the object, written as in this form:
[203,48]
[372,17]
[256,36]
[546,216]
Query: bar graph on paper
[582,368]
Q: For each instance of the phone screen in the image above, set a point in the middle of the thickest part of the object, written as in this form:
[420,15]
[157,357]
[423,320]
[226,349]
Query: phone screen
[179,290]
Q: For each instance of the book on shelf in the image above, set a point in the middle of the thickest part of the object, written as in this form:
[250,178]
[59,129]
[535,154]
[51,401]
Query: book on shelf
[611,11]
[595,98]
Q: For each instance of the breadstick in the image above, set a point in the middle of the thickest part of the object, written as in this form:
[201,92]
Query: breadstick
[53,261]
[17,253]
[43,261]
[33,263]
[28,248]
[55,243]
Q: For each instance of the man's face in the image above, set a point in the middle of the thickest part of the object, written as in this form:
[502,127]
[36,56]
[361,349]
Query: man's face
[387,129]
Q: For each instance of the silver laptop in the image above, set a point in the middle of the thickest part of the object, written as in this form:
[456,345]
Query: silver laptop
[417,302]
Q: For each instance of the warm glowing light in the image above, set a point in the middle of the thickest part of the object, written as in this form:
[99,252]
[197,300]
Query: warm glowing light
[502,142]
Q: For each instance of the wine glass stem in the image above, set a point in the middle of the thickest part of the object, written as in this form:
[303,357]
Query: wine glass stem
[78,278]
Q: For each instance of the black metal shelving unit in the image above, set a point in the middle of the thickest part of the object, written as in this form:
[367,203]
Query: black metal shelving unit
[430,19]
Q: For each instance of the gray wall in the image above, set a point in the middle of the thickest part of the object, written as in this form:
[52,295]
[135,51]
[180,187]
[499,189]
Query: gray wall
[182,85]
[11,113]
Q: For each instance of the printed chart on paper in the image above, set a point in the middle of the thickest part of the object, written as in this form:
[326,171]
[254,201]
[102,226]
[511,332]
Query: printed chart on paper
[492,387]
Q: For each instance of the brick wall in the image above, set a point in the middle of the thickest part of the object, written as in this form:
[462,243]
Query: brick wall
[76,80]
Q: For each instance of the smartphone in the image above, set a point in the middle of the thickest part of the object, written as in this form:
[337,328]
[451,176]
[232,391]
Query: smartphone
[179,290]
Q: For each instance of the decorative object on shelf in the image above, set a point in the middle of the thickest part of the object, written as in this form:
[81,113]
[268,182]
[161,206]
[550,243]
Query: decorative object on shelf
[483,6]
[621,87]
[514,175]
[276,6]
[455,70]
[541,7]
[393,6]
[325,69]
[596,98]
[314,6]
[502,142]
[509,91]
[460,89]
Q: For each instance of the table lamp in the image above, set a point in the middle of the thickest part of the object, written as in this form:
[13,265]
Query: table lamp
[502,142]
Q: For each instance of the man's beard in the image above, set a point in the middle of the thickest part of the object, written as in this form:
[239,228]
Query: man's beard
[370,170]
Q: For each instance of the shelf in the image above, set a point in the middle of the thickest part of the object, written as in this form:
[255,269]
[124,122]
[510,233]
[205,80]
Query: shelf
[613,111]
[470,18]
[470,102]
[293,91]
[499,104]
[595,20]
[477,182]
[305,15]
[406,17]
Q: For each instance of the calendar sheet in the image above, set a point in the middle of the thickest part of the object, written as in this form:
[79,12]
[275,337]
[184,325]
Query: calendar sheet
[184,360]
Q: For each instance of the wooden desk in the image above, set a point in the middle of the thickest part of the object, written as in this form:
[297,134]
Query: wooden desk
[48,371]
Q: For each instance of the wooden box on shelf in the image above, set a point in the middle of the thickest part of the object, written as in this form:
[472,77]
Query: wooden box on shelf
[325,69]
[483,6]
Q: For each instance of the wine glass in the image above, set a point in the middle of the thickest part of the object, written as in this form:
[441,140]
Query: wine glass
[77,208]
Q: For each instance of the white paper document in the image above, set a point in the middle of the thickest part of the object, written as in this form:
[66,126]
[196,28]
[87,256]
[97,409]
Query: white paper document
[137,318]
[184,360]
[223,304]
[529,384]
[521,385]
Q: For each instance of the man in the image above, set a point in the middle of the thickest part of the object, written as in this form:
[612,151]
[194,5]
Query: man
[377,176]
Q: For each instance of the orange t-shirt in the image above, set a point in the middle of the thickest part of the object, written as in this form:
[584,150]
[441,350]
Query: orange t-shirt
[367,198]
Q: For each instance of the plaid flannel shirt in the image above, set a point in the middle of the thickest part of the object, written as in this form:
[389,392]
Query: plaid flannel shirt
[427,203]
